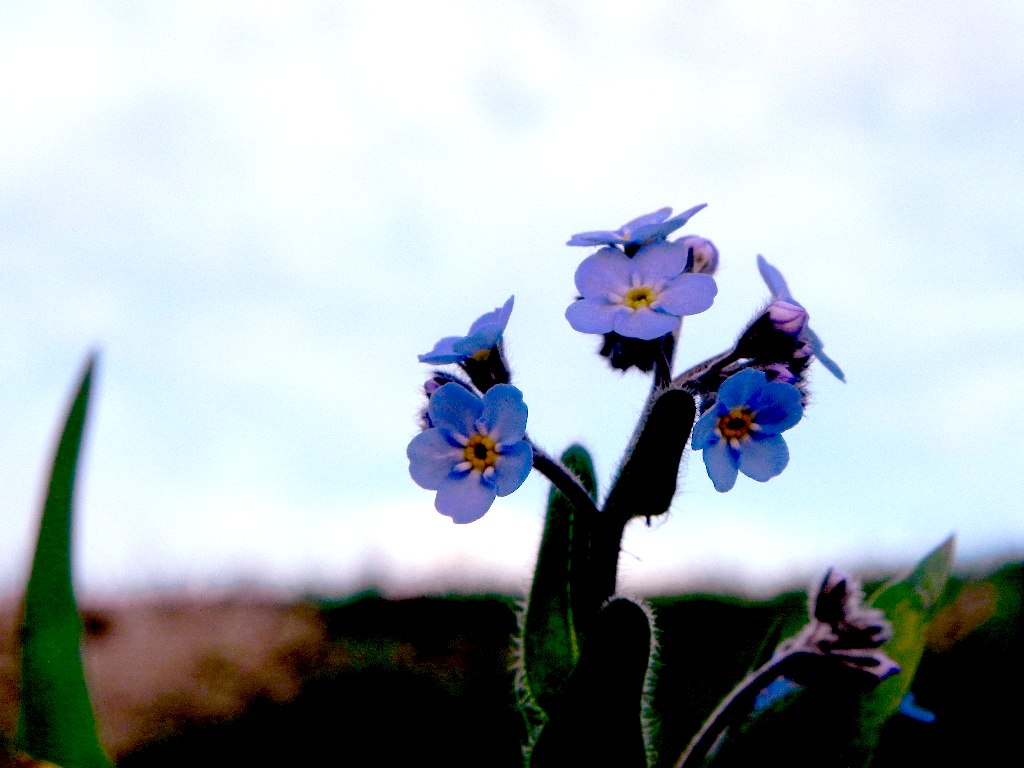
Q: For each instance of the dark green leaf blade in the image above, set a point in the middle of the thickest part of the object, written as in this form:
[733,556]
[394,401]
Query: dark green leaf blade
[56,721]
[909,605]
[597,719]
[550,636]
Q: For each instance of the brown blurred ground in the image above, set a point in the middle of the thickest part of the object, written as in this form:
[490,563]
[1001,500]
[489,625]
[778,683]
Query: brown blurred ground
[158,666]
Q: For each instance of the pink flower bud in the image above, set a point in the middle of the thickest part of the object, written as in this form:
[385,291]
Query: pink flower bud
[787,317]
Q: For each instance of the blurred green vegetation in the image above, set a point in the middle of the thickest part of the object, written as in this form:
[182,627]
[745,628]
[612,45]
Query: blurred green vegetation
[404,682]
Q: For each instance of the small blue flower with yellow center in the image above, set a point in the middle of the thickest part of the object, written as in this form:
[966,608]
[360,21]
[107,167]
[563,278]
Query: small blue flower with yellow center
[475,451]
[643,296]
[783,302]
[741,431]
[649,228]
[484,334]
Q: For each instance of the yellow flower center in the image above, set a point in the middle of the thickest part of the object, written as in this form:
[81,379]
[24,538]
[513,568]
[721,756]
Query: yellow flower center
[639,297]
[482,354]
[480,453]
[737,424]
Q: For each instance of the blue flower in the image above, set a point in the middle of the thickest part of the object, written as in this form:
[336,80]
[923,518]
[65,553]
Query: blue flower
[642,297]
[650,227]
[780,293]
[483,335]
[475,450]
[740,432]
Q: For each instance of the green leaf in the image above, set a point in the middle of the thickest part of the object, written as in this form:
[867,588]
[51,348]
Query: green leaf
[597,719]
[56,721]
[647,482]
[550,639]
[909,605]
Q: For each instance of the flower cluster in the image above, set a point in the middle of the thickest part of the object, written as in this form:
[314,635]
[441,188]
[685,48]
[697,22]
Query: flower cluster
[634,291]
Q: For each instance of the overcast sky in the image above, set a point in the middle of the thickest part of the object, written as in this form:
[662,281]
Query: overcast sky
[260,213]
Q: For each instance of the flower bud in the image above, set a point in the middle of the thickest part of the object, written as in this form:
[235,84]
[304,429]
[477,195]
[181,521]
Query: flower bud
[841,630]
[703,256]
[787,317]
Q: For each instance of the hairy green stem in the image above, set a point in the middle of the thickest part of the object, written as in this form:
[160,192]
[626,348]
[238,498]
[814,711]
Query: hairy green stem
[564,480]
[710,367]
[738,704]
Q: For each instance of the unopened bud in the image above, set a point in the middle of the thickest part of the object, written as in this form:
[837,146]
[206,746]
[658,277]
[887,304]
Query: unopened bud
[787,317]
[703,256]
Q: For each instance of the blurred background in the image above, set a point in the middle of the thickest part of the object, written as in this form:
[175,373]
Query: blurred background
[259,214]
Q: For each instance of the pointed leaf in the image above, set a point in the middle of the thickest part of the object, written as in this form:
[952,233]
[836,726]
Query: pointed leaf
[647,481]
[909,605]
[550,641]
[56,722]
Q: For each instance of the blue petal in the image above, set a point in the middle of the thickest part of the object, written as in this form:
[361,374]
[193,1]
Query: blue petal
[593,315]
[816,346]
[647,220]
[455,408]
[774,280]
[512,469]
[644,324]
[465,497]
[778,689]
[499,317]
[778,407]
[483,338]
[762,458]
[432,458]
[443,352]
[720,461]
[624,234]
[909,708]
[659,261]
[689,294]
[504,414]
[604,272]
[739,388]
[650,227]
[703,434]
[653,231]
[602,237]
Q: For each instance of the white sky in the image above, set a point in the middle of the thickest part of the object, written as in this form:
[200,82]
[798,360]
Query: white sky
[261,212]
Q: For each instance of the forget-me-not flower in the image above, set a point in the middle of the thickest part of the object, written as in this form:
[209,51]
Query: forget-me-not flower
[483,335]
[649,228]
[780,293]
[741,431]
[475,450]
[643,296]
